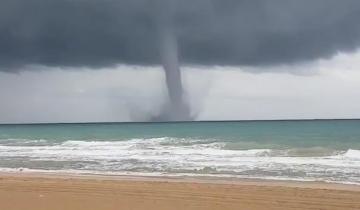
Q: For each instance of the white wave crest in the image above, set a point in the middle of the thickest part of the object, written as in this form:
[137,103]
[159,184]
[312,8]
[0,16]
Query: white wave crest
[353,154]
[186,156]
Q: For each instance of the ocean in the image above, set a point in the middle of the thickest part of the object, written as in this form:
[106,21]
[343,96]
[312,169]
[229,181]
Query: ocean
[314,150]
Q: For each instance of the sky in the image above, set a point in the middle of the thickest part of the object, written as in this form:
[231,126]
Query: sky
[326,88]
[100,61]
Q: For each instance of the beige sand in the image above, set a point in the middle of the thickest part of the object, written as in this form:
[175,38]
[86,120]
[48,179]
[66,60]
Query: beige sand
[48,192]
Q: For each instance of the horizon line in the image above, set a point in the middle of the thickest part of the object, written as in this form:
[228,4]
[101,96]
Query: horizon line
[192,121]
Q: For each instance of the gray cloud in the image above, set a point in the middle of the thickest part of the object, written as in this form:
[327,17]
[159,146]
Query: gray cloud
[97,33]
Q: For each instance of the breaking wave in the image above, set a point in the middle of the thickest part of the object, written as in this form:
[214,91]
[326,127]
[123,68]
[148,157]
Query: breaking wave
[181,156]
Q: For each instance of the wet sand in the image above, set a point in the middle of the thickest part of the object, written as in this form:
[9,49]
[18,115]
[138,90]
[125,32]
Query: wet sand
[23,191]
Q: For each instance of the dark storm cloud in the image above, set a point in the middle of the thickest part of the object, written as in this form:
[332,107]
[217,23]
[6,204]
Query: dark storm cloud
[97,33]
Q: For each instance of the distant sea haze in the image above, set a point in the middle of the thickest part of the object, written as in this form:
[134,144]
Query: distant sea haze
[320,150]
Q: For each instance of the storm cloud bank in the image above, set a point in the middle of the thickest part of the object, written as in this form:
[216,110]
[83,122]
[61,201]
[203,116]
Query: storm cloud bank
[97,33]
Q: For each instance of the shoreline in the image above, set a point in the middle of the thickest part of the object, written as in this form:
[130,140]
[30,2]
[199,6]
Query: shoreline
[41,191]
[185,179]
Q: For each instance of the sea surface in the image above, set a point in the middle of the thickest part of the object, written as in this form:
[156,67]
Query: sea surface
[319,150]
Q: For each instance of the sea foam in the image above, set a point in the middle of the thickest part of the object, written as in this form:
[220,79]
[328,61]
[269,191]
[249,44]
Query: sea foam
[181,156]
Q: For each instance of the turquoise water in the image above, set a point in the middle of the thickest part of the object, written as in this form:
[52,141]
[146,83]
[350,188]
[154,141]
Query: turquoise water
[327,150]
[339,134]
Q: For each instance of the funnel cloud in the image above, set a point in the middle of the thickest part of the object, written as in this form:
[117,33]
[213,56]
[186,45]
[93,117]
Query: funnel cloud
[177,108]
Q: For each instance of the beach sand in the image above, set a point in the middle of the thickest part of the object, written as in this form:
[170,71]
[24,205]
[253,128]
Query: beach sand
[24,191]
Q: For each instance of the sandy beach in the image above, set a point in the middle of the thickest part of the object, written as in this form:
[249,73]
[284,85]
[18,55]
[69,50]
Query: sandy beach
[63,192]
